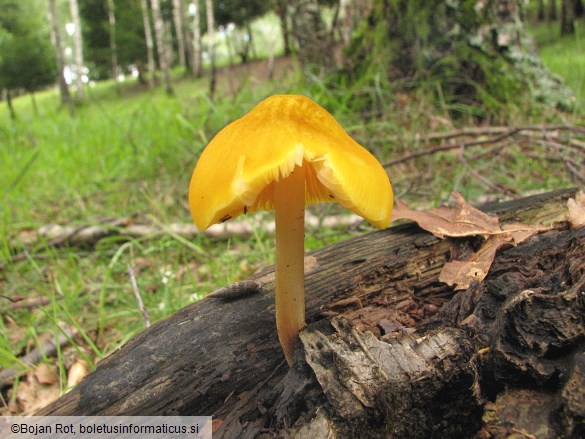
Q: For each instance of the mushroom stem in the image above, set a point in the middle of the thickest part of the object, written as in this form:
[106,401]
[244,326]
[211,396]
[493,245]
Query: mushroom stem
[289,204]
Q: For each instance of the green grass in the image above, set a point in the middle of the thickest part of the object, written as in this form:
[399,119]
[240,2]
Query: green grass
[131,155]
[564,56]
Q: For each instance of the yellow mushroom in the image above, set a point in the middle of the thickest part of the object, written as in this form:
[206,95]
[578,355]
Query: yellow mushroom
[285,153]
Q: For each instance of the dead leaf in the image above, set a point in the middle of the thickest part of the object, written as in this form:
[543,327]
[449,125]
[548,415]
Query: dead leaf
[463,273]
[465,220]
[28,236]
[77,372]
[46,374]
[458,221]
[576,208]
[15,332]
[33,396]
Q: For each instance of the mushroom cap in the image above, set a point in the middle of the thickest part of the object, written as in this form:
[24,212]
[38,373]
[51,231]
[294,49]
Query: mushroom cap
[237,171]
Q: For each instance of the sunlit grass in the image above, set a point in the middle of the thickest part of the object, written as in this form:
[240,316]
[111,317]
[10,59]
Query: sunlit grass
[564,56]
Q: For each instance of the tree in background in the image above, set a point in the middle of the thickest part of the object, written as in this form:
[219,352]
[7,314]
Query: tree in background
[125,37]
[196,61]
[211,34]
[241,13]
[281,8]
[77,48]
[568,8]
[26,61]
[113,46]
[478,55]
[164,60]
[149,41]
[179,21]
[59,59]
[314,42]
[310,33]
[552,10]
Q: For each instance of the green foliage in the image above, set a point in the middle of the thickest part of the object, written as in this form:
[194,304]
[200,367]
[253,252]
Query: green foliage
[26,56]
[478,56]
[239,12]
[130,43]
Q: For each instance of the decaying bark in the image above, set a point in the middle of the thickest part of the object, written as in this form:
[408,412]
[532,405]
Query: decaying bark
[376,359]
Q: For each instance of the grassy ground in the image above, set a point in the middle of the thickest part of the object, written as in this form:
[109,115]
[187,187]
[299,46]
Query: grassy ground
[553,49]
[132,154]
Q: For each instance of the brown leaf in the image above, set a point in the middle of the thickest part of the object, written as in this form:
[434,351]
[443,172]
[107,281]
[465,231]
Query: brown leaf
[32,395]
[458,221]
[77,372]
[463,273]
[465,220]
[15,332]
[46,374]
[576,208]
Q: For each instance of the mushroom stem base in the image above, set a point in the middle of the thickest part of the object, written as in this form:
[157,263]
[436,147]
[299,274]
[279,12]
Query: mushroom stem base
[289,203]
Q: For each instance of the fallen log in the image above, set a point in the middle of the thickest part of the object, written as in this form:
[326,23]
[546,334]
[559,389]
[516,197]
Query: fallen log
[376,359]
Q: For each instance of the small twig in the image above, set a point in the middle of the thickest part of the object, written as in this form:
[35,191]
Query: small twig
[141,306]
[501,133]
[451,146]
[25,303]
[482,179]
[12,299]
[573,166]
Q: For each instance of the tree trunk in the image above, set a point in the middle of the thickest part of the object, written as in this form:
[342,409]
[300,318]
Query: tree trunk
[178,18]
[159,32]
[77,49]
[33,101]
[8,96]
[196,60]
[113,48]
[281,11]
[540,11]
[478,53]
[579,8]
[567,17]
[552,10]
[346,8]
[149,43]
[314,45]
[56,40]
[187,37]
[376,359]
[211,36]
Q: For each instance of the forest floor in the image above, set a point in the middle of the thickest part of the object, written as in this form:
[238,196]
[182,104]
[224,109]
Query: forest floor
[125,158]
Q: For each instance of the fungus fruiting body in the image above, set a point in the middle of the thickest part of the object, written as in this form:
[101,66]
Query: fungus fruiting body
[285,153]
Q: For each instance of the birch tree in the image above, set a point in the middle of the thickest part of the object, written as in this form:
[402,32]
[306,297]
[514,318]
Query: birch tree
[211,37]
[163,59]
[59,60]
[113,48]
[77,48]
[196,24]
[149,42]
[178,18]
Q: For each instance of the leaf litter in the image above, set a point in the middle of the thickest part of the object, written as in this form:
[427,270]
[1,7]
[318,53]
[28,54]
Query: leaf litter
[464,220]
